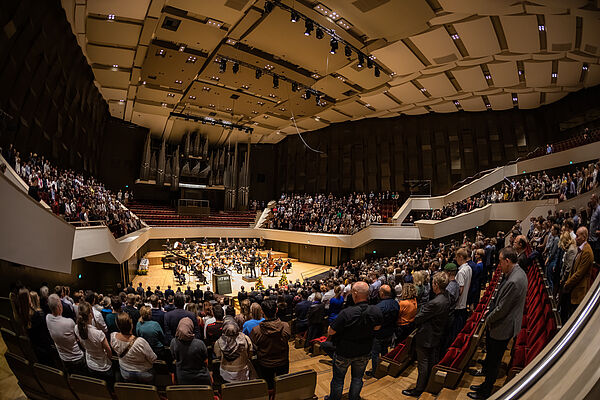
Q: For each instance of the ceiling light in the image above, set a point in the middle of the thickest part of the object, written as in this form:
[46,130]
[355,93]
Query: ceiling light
[170,95]
[585,68]
[488,76]
[178,81]
[319,33]
[307,95]
[317,118]
[260,103]
[361,60]
[275,82]
[367,105]
[377,72]
[211,105]
[456,103]
[520,72]
[316,76]
[555,74]
[308,25]
[115,66]
[295,16]
[191,60]
[122,101]
[255,123]
[344,24]
[214,78]
[161,52]
[245,86]
[268,6]
[223,65]
[214,23]
[341,78]
[515,98]
[193,97]
[271,95]
[488,105]
[182,47]
[541,28]
[334,45]
[231,41]
[111,17]
[258,73]
[455,36]
[423,90]
[282,109]
[163,104]
[347,51]
[144,82]
[265,116]
[369,63]
[372,57]
[269,67]
[206,88]
[235,68]
[318,100]
[228,109]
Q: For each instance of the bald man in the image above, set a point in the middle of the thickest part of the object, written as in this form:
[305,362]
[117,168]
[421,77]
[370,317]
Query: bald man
[352,333]
[578,282]
[383,337]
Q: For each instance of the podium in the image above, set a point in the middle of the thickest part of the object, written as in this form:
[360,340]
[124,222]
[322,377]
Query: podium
[221,283]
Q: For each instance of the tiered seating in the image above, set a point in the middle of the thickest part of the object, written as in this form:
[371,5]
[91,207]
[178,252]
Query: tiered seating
[394,362]
[540,323]
[589,137]
[162,215]
[448,372]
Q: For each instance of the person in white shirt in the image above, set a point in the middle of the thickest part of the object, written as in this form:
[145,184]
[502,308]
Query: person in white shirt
[97,350]
[62,333]
[463,278]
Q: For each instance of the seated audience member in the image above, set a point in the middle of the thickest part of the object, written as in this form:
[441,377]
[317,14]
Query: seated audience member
[151,331]
[190,355]
[93,340]
[33,321]
[62,332]
[407,310]
[234,349]
[256,314]
[135,354]
[270,338]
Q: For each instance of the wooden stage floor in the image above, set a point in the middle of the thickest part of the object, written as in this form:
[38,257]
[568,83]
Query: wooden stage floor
[159,276]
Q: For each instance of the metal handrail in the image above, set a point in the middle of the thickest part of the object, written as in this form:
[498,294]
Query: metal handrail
[88,223]
[193,203]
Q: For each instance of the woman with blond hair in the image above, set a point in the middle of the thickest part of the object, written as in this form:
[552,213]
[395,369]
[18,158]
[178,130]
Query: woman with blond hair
[407,312]
[421,282]
[244,314]
[257,317]
[152,332]
[93,340]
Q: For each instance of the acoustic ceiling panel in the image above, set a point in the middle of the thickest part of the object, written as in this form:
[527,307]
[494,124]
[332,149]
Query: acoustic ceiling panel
[521,33]
[538,73]
[502,101]
[470,79]
[478,36]
[437,46]
[504,73]
[407,93]
[437,85]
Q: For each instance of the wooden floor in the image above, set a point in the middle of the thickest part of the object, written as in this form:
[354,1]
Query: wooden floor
[386,388]
[159,276]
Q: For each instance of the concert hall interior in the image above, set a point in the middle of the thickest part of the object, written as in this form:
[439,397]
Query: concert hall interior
[299,199]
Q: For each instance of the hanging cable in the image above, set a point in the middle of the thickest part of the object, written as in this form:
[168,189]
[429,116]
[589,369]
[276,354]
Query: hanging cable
[301,138]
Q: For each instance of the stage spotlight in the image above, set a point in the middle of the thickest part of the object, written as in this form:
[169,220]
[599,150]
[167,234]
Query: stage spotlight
[318,100]
[369,63]
[361,60]
[294,87]
[235,68]
[307,95]
[258,73]
[377,72]
[268,7]
[308,25]
[334,45]
[295,16]
[223,66]
[319,33]
[347,51]
[275,82]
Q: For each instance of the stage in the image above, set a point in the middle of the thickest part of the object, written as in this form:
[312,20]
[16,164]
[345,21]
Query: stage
[159,276]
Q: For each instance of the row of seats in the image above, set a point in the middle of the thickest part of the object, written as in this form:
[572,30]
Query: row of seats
[161,215]
[592,136]
[541,321]
[450,369]
[44,383]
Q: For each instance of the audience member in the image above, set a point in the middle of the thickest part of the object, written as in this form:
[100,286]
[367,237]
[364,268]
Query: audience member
[62,332]
[97,351]
[234,349]
[190,355]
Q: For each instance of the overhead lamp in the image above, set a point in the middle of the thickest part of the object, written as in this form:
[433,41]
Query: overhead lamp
[268,7]
[258,73]
[369,63]
[294,87]
[361,60]
[275,82]
[334,45]
[223,66]
[377,72]
[319,33]
[347,51]
[295,16]
[318,100]
[307,95]
[235,68]
[309,26]
[111,17]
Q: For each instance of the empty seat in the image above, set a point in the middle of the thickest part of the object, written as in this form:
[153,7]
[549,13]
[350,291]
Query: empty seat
[25,376]
[6,323]
[87,388]
[136,391]
[255,389]
[54,382]
[12,342]
[296,386]
[27,349]
[162,375]
[6,307]
[187,392]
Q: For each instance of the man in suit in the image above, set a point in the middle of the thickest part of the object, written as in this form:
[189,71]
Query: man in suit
[578,282]
[431,321]
[503,322]
[140,290]
[520,245]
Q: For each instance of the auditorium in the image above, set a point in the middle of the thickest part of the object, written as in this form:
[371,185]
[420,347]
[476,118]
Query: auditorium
[299,199]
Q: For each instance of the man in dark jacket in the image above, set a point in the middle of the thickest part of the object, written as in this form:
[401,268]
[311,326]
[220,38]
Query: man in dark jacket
[198,294]
[383,337]
[270,338]
[315,316]
[353,331]
[301,312]
[140,290]
[431,320]
[172,318]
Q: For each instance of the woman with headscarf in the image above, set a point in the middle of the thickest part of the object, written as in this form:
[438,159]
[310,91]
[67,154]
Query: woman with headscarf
[190,355]
[235,351]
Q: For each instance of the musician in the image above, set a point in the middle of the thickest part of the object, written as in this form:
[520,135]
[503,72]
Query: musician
[252,266]
[287,266]
[179,274]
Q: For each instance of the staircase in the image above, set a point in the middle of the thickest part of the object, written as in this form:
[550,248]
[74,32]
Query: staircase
[163,215]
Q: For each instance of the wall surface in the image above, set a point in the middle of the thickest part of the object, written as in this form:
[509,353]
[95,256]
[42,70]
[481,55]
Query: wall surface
[47,87]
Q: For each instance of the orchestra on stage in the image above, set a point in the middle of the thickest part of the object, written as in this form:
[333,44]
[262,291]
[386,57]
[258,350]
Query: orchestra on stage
[198,261]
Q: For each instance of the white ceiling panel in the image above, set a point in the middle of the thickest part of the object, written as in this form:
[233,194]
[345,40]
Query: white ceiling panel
[380,101]
[354,108]
[399,58]
[473,104]
[521,33]
[470,79]
[592,76]
[590,38]
[134,9]
[332,116]
[561,32]
[569,73]
[538,73]
[407,93]
[552,97]
[437,46]
[102,31]
[311,124]
[529,100]
[113,94]
[437,85]
[416,111]
[334,87]
[444,107]
[501,101]
[478,36]
[364,77]
[221,10]
[504,73]
[192,33]
[110,55]
[483,7]
[112,79]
